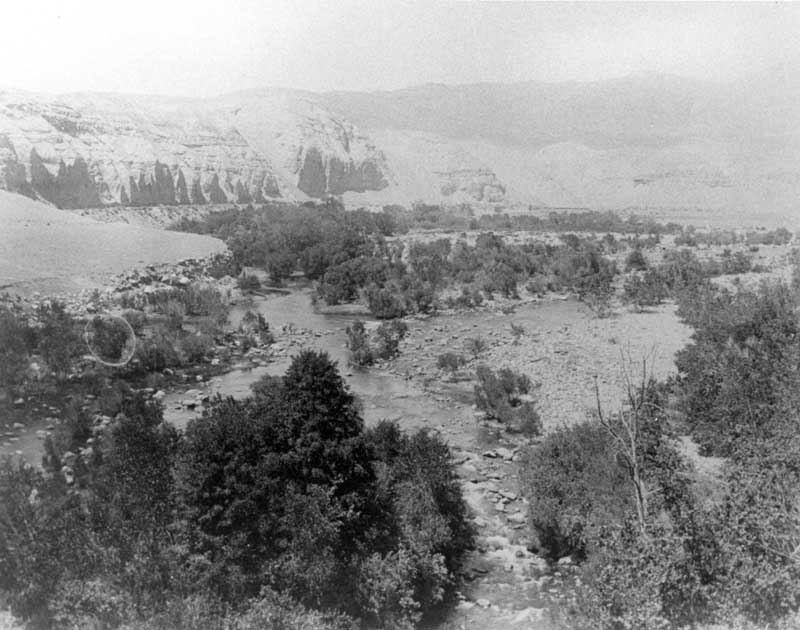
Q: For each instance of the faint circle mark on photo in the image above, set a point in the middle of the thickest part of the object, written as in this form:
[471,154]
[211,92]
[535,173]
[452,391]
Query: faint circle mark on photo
[110,339]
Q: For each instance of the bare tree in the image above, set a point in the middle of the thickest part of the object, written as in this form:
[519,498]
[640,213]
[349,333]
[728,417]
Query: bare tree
[625,429]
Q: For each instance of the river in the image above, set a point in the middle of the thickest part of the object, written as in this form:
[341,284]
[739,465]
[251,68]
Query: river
[385,394]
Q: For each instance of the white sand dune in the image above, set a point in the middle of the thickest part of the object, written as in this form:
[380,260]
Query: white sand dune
[46,249]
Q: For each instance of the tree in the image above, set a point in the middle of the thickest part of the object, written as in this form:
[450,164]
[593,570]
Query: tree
[635,261]
[280,487]
[59,341]
[14,350]
[361,354]
[625,432]
[643,290]
[389,335]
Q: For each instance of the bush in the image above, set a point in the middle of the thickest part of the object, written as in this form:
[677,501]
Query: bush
[450,361]
[643,290]
[635,261]
[14,351]
[254,324]
[175,312]
[385,303]
[157,352]
[195,348]
[59,340]
[137,320]
[389,335]
[574,487]
[738,362]
[108,337]
[418,479]
[500,396]
[476,346]
[361,354]
[248,282]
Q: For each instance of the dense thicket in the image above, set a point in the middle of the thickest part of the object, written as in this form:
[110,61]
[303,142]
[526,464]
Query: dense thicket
[680,272]
[349,256]
[427,216]
[690,556]
[276,509]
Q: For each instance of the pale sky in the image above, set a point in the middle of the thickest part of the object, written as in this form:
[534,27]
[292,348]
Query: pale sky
[204,48]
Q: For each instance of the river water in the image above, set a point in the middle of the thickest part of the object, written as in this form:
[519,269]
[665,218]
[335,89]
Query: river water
[383,393]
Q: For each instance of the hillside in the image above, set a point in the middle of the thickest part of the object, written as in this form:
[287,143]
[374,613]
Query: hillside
[650,142]
[45,249]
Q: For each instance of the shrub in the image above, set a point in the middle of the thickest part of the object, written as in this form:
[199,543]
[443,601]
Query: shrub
[635,261]
[500,396]
[248,282]
[108,338]
[732,372]
[59,339]
[574,487]
[196,347]
[476,346]
[13,350]
[157,352]
[450,361]
[389,335]
[175,312]
[204,301]
[255,324]
[417,476]
[537,285]
[385,303]
[361,354]
[137,320]
[643,290]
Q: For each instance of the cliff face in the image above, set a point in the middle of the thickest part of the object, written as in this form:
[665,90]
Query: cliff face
[648,142]
[90,150]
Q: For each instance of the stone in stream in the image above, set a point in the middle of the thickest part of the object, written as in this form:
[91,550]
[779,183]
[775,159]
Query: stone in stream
[505,453]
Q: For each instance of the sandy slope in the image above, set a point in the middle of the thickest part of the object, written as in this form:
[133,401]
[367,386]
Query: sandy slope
[45,249]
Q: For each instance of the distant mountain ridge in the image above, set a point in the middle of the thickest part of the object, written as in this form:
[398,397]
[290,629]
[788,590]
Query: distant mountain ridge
[644,141]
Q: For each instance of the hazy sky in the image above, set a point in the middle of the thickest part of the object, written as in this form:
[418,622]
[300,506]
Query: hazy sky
[200,47]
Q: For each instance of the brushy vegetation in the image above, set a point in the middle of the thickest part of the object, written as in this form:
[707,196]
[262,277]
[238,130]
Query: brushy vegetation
[505,396]
[349,257]
[680,272]
[276,509]
[617,495]
[386,344]
[690,237]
